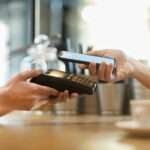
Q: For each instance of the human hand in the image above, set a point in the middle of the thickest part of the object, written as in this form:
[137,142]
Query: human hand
[21,95]
[62,97]
[124,67]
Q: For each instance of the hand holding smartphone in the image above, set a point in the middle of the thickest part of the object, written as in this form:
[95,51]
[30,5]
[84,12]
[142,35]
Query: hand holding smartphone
[86,59]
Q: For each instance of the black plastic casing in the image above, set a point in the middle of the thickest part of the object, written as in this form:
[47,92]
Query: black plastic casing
[62,84]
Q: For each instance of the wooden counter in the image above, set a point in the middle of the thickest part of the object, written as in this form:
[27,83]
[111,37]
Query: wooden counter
[28,131]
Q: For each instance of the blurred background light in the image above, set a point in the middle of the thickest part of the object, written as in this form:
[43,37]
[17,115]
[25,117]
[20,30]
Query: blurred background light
[120,25]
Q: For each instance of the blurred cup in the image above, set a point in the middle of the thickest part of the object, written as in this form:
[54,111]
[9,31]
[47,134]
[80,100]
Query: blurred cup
[140,111]
[111,98]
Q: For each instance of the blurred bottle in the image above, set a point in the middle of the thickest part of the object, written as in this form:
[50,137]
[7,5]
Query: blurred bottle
[42,51]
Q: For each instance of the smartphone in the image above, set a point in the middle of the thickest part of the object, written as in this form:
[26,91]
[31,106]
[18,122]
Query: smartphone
[66,81]
[86,59]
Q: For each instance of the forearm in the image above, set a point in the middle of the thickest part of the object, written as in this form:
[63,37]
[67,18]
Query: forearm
[140,72]
[3,106]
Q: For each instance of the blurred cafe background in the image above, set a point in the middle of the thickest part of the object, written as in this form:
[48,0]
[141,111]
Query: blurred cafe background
[77,26]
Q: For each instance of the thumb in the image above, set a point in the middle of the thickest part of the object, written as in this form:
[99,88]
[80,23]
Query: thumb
[97,53]
[29,74]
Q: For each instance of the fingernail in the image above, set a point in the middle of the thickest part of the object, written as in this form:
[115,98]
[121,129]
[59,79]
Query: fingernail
[66,92]
[76,95]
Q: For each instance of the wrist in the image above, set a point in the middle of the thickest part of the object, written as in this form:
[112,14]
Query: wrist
[4,97]
[2,93]
[4,109]
[131,66]
[135,68]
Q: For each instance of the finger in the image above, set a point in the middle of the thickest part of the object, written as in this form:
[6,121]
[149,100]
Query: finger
[92,68]
[60,97]
[83,66]
[38,104]
[108,74]
[101,71]
[97,53]
[29,74]
[66,96]
[94,52]
[74,95]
